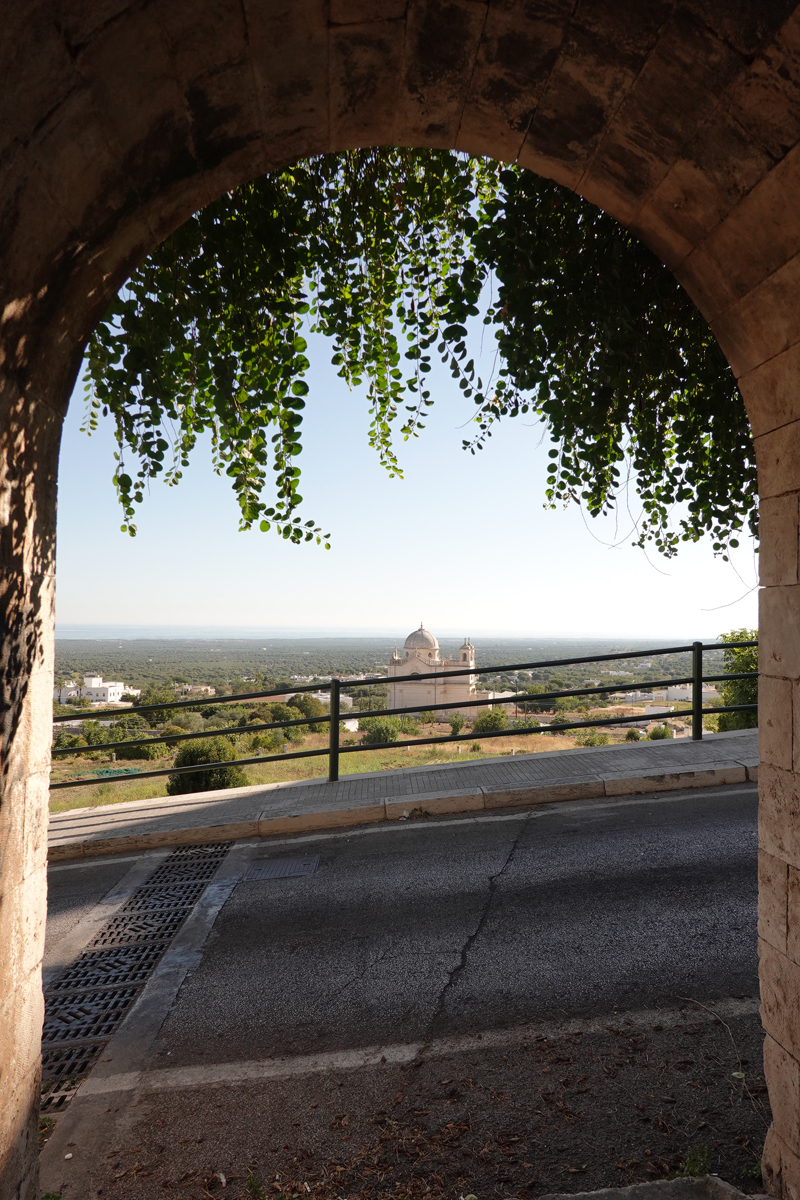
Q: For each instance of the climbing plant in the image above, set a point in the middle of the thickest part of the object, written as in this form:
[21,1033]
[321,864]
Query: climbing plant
[391,254]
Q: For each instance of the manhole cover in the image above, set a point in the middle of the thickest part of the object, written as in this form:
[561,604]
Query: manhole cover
[282,868]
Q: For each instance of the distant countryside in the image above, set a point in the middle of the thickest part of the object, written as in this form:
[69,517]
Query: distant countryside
[153,671]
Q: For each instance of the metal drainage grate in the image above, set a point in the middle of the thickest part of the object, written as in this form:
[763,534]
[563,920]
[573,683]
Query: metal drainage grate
[125,928]
[63,1070]
[282,868]
[88,1015]
[167,897]
[186,869]
[89,1000]
[115,967]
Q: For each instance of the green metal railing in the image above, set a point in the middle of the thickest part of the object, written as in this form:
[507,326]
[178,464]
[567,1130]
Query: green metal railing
[333,717]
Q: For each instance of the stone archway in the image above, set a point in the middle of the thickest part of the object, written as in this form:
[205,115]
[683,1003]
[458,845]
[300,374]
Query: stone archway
[120,117]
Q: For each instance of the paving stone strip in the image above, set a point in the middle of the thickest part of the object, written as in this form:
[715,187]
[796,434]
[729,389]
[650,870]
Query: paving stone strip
[285,808]
[88,1000]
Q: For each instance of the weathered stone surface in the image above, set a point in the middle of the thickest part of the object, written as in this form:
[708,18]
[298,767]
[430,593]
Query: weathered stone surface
[770,392]
[780,998]
[780,1166]
[773,888]
[793,914]
[779,813]
[782,1073]
[775,722]
[779,637]
[778,561]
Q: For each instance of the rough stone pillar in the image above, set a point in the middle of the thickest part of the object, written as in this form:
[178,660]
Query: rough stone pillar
[29,441]
[772,392]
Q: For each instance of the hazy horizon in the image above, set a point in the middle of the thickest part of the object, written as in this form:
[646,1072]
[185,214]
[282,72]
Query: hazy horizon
[120,632]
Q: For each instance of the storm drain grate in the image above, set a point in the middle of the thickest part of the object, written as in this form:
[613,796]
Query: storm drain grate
[63,1070]
[125,928]
[282,868]
[89,1000]
[115,967]
[167,897]
[86,1016]
[188,870]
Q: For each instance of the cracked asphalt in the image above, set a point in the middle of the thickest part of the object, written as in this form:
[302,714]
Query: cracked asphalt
[437,928]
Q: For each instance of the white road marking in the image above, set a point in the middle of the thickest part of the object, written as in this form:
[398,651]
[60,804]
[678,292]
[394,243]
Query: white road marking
[110,861]
[222,1074]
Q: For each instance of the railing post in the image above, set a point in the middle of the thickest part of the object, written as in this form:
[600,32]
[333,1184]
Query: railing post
[697,691]
[333,753]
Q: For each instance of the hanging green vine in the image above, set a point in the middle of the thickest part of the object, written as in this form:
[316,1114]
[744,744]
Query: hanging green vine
[388,253]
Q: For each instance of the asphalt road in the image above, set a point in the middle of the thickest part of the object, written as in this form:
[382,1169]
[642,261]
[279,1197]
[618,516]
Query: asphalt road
[426,930]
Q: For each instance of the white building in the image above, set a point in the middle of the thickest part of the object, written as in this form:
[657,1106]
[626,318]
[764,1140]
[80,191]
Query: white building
[421,658]
[95,690]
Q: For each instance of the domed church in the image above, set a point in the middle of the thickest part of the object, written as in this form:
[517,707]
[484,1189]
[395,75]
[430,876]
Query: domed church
[421,657]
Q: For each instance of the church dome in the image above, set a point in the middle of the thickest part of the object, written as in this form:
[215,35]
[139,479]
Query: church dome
[421,639]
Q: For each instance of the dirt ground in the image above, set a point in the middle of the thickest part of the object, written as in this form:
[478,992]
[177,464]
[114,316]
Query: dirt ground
[557,1108]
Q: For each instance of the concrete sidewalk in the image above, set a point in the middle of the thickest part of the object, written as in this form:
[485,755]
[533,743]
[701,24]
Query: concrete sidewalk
[521,780]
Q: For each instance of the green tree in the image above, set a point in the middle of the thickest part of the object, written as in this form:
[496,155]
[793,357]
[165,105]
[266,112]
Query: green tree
[739,691]
[387,252]
[157,695]
[378,730]
[96,734]
[309,706]
[457,723]
[633,735]
[209,750]
[659,733]
[532,706]
[491,720]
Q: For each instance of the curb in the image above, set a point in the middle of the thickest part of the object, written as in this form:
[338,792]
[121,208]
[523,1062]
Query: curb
[433,804]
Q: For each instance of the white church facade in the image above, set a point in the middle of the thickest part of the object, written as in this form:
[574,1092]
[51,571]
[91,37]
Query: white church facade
[422,659]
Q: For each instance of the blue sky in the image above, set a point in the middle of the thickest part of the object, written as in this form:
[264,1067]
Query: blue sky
[461,542]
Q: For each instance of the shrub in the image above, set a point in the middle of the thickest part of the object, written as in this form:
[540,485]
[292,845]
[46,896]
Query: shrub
[95,733]
[633,735]
[428,717]
[189,722]
[259,712]
[408,725]
[134,721]
[456,723]
[490,721]
[658,733]
[379,729]
[271,740]
[209,750]
[150,751]
[475,748]
[173,730]
[593,737]
[67,741]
